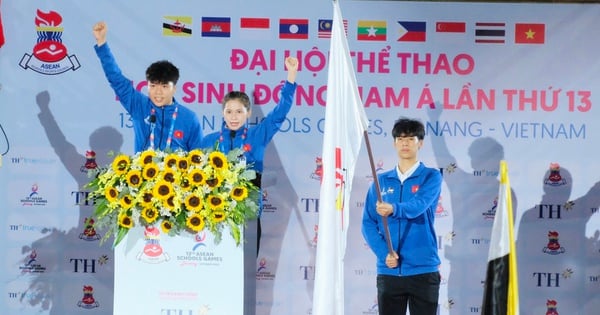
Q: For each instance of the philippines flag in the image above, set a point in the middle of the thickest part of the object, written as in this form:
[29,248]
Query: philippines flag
[412,31]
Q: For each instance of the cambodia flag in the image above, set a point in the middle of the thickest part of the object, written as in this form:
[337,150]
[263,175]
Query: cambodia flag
[216,26]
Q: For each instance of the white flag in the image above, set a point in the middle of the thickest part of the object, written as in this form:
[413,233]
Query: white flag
[345,124]
[501,292]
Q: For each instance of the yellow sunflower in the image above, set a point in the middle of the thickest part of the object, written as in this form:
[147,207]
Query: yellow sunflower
[218,160]
[134,178]
[168,202]
[125,221]
[162,189]
[146,198]
[183,163]
[239,193]
[147,157]
[195,222]
[215,202]
[218,216]
[121,163]
[196,156]
[193,202]
[166,226]
[196,177]
[149,214]
[126,202]
[168,175]
[171,160]
[111,193]
[215,181]
[184,184]
[150,171]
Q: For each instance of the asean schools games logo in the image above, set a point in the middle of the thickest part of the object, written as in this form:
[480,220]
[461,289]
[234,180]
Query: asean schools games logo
[49,55]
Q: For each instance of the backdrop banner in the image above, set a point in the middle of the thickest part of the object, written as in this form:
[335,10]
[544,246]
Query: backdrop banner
[490,81]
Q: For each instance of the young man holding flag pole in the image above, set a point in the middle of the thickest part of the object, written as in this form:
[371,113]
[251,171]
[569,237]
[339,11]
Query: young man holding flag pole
[408,275]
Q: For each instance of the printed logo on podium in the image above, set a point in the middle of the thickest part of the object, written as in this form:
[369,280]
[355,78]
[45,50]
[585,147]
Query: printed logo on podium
[152,252]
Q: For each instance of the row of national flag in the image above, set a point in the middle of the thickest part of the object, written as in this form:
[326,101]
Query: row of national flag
[366,30]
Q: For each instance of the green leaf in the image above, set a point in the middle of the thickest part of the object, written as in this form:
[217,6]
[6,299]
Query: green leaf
[120,235]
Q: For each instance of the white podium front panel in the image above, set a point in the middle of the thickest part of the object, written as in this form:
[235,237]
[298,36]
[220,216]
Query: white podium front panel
[188,274]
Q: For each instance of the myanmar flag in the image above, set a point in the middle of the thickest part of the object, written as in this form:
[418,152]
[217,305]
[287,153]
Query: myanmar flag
[372,30]
[501,292]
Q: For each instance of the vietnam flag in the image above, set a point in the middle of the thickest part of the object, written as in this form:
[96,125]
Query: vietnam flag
[529,33]
[372,30]
[501,292]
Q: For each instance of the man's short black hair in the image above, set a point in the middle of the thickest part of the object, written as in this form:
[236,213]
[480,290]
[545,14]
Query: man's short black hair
[162,72]
[406,127]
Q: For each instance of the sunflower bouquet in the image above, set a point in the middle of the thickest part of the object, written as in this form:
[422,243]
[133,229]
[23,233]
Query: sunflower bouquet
[179,191]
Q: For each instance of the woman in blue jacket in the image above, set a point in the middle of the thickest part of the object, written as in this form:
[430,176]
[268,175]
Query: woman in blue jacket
[235,132]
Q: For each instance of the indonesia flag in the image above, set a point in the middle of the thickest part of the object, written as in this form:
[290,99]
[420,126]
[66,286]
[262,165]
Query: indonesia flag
[255,28]
[501,292]
[345,126]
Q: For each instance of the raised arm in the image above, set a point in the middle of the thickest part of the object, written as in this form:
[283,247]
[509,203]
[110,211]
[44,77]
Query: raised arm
[291,64]
[99,31]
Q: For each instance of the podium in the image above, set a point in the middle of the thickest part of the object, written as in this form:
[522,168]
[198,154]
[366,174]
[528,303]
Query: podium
[178,275]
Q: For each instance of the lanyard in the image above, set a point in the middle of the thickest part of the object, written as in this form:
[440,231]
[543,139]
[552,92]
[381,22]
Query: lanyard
[170,137]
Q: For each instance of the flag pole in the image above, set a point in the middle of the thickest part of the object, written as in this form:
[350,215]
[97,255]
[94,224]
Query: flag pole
[386,228]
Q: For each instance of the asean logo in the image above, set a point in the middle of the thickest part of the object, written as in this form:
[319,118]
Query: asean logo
[50,55]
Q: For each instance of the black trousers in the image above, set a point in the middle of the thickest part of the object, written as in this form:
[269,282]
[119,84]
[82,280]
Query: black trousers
[419,292]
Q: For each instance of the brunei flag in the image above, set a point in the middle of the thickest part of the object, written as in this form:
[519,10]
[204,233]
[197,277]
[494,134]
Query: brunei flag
[177,26]
[501,292]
